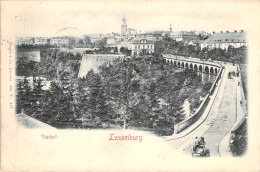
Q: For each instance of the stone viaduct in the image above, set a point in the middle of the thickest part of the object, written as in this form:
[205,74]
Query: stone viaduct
[203,68]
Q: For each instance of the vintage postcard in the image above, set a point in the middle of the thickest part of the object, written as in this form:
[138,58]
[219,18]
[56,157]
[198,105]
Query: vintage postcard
[130,85]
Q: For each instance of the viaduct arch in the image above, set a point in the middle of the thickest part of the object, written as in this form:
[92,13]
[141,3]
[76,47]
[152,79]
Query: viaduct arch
[194,65]
[208,70]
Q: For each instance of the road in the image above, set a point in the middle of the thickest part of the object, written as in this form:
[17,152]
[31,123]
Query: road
[220,120]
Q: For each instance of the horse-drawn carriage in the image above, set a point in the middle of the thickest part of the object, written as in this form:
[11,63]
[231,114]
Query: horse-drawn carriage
[199,149]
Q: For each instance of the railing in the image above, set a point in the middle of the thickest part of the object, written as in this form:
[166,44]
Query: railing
[241,111]
[214,85]
[187,122]
[193,60]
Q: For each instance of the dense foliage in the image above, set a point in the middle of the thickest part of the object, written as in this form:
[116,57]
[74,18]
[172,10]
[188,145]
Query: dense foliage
[169,46]
[53,63]
[127,91]
[239,142]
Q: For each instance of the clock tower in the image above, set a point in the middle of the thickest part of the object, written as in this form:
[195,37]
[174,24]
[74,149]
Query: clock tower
[123,28]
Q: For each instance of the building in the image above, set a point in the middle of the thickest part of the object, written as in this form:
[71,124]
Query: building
[132,33]
[225,39]
[41,41]
[158,35]
[55,41]
[116,35]
[142,46]
[195,42]
[63,41]
[96,37]
[183,36]
[113,38]
[127,33]
[123,28]
[25,41]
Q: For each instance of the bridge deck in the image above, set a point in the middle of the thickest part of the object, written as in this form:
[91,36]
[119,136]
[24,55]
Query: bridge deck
[194,60]
[221,118]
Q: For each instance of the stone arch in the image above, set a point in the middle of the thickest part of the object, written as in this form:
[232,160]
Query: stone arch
[191,66]
[216,71]
[206,69]
[200,68]
[171,63]
[211,70]
[195,67]
[174,63]
[186,66]
[182,65]
[179,64]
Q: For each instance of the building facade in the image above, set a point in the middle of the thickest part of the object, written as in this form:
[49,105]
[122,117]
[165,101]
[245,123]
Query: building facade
[96,37]
[142,46]
[183,36]
[225,39]
[41,41]
[25,41]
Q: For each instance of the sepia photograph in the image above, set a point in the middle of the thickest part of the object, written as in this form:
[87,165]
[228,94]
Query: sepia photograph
[171,73]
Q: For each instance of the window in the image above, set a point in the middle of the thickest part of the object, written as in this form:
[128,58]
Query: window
[139,46]
[226,40]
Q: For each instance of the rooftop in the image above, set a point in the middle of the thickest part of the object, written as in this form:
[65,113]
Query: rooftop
[227,37]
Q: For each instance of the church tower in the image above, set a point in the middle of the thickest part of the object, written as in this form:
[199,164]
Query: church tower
[123,28]
[170,28]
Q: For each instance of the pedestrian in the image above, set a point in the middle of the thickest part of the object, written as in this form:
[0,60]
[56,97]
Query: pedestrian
[196,140]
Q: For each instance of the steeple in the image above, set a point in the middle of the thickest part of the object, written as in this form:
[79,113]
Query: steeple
[124,21]
[123,28]
[170,28]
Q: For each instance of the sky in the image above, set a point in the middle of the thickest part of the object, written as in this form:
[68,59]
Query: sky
[45,18]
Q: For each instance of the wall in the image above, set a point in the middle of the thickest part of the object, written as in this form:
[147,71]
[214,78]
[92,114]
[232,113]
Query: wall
[93,61]
[241,111]
[187,122]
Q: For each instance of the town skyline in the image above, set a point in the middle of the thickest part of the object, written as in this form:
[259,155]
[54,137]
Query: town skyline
[44,19]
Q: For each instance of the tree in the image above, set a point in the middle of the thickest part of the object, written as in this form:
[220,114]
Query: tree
[97,99]
[81,42]
[87,40]
[153,95]
[101,44]
[37,94]
[19,98]
[26,98]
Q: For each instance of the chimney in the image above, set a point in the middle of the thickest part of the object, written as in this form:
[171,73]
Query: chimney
[235,31]
[227,31]
[213,32]
[242,31]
